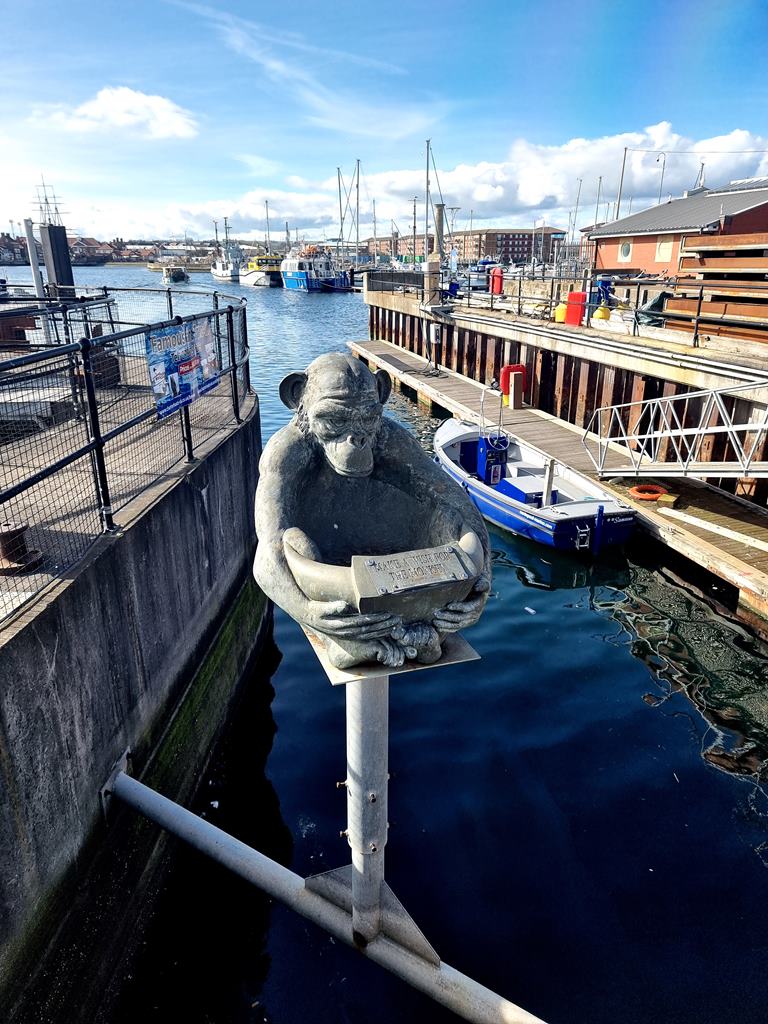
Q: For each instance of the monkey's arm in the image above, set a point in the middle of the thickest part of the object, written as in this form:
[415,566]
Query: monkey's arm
[454,508]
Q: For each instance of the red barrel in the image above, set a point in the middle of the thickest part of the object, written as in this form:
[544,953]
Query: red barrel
[506,373]
[577,303]
[496,282]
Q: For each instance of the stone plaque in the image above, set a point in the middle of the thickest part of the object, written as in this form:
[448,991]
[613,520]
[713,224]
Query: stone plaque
[409,581]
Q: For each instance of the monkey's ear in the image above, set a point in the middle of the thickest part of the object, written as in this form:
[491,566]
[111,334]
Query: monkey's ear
[292,389]
[383,385]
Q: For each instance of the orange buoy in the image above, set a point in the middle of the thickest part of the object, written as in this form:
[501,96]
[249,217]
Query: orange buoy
[647,492]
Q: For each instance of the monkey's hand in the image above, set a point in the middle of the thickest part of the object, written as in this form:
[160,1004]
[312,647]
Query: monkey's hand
[339,620]
[462,614]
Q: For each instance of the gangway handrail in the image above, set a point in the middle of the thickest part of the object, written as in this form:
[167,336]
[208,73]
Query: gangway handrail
[658,426]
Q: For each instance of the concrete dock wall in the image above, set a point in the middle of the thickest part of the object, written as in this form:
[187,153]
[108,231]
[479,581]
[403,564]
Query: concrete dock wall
[102,664]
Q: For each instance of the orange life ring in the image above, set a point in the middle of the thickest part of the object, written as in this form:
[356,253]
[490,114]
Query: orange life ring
[647,492]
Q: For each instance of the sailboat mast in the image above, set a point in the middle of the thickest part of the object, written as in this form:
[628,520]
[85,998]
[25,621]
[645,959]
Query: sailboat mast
[216,233]
[375,242]
[357,214]
[426,208]
[341,219]
[269,244]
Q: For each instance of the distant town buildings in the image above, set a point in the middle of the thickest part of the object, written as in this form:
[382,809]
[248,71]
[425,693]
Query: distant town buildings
[508,245]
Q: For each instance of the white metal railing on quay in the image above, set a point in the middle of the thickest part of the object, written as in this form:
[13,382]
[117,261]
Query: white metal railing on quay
[666,436]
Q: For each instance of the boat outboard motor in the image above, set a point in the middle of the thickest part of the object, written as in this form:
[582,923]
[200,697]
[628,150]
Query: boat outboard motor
[492,451]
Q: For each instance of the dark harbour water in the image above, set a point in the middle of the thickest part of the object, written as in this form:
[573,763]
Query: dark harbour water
[579,820]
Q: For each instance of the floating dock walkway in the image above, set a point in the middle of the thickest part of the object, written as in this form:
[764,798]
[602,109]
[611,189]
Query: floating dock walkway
[724,534]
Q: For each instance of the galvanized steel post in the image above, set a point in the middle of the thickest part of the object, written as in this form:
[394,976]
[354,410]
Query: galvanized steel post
[367,775]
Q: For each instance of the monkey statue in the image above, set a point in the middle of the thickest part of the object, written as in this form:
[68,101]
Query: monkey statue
[342,480]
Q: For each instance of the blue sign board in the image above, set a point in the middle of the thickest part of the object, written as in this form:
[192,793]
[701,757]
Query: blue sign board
[183,364]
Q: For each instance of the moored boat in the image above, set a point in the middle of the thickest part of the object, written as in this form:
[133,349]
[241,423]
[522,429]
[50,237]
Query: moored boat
[226,265]
[263,271]
[175,274]
[518,488]
[312,270]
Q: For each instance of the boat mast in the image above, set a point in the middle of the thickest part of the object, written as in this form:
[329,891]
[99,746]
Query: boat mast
[357,214]
[341,219]
[426,208]
[216,233]
[287,239]
[269,244]
[226,236]
[375,242]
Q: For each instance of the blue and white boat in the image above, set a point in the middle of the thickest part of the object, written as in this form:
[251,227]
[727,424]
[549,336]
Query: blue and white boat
[520,489]
[312,270]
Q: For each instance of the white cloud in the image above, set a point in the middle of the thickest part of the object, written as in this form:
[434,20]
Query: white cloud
[343,110]
[533,181]
[259,166]
[154,117]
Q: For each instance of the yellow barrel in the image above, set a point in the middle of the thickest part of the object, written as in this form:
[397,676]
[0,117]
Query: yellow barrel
[560,310]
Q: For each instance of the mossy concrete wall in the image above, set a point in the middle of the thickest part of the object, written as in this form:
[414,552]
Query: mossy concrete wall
[159,613]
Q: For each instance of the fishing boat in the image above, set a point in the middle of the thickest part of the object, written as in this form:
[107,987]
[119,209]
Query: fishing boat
[311,269]
[520,489]
[175,274]
[263,271]
[226,265]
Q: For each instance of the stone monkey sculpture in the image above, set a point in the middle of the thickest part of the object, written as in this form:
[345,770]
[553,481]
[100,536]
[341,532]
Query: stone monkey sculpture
[339,480]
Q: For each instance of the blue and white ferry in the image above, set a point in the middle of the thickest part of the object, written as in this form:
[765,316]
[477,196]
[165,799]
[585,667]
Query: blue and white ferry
[312,270]
[518,488]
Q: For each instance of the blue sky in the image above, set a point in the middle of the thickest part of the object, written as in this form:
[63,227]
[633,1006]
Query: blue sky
[154,117]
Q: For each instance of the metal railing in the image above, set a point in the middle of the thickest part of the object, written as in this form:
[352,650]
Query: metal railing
[670,436]
[396,281]
[80,434]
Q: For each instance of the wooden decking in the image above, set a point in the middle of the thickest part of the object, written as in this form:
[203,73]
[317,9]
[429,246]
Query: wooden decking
[742,563]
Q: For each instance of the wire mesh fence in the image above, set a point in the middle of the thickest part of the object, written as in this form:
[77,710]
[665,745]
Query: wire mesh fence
[80,431]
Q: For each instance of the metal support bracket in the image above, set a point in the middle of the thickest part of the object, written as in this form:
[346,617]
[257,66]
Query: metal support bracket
[122,764]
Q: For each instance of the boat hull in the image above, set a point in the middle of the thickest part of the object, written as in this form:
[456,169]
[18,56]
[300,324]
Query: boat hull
[302,281]
[616,529]
[261,278]
[589,522]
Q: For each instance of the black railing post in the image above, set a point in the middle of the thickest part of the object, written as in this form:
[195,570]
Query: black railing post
[246,364]
[100,465]
[698,315]
[233,363]
[637,306]
[186,433]
[169,300]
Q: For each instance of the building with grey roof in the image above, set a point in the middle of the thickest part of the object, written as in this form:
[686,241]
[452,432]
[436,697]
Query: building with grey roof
[650,241]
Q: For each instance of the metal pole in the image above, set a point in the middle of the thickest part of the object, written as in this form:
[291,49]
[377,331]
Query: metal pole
[663,158]
[169,300]
[233,364]
[367,764]
[576,211]
[413,256]
[444,984]
[186,433]
[621,184]
[357,214]
[100,466]
[426,209]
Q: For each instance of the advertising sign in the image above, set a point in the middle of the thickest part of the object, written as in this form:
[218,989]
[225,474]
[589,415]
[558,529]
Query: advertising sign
[183,364]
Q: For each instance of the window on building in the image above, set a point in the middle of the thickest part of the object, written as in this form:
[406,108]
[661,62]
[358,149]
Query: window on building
[664,250]
[625,250]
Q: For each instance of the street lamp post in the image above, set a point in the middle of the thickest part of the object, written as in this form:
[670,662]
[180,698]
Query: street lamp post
[663,158]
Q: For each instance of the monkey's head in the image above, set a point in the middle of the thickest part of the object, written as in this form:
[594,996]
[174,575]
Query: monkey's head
[339,404]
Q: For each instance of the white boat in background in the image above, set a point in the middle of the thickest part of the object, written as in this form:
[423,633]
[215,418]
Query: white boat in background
[226,266]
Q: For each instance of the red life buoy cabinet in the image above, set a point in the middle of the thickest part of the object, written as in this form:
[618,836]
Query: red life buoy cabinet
[506,373]
[496,282]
